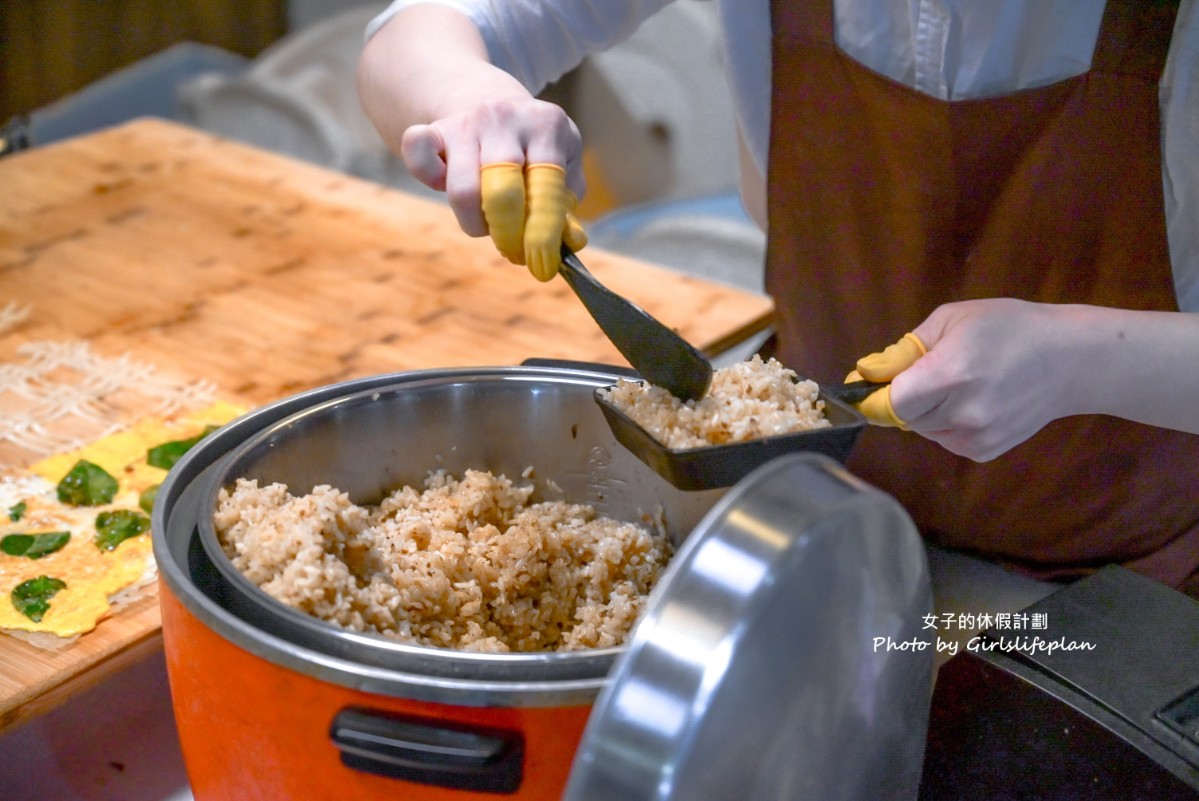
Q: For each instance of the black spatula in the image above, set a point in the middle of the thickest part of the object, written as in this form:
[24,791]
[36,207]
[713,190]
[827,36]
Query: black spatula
[658,353]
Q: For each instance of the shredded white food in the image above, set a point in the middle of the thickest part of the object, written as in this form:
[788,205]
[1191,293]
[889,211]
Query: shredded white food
[63,396]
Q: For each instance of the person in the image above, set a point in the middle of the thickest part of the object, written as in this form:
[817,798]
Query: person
[1013,186]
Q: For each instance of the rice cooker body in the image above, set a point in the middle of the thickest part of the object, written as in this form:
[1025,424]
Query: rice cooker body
[251,728]
[272,704]
[259,690]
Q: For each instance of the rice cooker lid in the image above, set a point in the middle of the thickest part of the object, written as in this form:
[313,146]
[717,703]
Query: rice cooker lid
[757,671]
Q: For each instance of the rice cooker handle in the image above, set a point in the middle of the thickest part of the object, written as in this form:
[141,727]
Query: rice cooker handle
[429,750]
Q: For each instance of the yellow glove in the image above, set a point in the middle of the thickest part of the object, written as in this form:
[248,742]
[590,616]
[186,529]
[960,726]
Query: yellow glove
[885,366]
[530,213]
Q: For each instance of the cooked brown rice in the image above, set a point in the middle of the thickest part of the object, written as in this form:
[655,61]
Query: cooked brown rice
[747,400]
[466,563]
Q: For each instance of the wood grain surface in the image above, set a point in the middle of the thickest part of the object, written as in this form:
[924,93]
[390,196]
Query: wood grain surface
[217,262]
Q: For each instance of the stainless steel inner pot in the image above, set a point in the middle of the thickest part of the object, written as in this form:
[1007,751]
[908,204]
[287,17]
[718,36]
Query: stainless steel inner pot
[373,435]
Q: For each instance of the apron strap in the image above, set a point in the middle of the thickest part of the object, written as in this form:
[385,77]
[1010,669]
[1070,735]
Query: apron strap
[1126,22]
[805,19]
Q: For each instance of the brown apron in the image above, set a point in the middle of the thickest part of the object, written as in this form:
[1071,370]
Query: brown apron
[885,203]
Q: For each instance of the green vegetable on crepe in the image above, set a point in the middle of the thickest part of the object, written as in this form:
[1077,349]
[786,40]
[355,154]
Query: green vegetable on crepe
[17,511]
[147,498]
[168,453]
[32,598]
[113,528]
[87,484]
[35,546]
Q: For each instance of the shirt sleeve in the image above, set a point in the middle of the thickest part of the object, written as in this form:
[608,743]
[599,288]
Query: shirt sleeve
[746,41]
[539,41]
[1180,157]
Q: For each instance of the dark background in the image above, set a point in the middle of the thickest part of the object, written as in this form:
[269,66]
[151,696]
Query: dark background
[49,48]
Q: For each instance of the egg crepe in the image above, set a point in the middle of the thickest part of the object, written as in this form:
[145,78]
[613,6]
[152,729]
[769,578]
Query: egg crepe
[96,580]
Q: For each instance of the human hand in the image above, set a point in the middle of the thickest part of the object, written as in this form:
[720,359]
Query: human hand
[512,169]
[995,373]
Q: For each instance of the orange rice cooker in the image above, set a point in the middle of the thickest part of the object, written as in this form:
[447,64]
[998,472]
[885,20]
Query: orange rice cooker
[772,608]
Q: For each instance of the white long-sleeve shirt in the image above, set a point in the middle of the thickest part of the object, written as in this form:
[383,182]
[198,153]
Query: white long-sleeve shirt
[950,49]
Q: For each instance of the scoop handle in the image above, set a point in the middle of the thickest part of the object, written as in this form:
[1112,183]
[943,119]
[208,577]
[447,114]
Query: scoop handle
[853,392]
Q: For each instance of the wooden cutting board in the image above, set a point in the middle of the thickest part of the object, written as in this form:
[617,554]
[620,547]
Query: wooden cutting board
[259,277]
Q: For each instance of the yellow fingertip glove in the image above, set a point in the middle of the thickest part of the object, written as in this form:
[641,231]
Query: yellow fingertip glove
[530,213]
[893,360]
[502,187]
[884,366]
[573,234]
[876,408]
[549,219]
